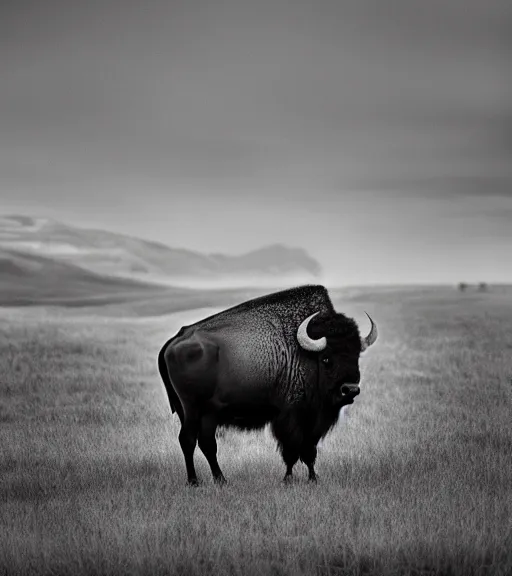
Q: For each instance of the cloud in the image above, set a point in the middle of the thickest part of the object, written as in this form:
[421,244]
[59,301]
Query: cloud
[184,108]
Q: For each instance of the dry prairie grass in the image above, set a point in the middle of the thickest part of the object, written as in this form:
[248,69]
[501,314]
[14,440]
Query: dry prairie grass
[417,479]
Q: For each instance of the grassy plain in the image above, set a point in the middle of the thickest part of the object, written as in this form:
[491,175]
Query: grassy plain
[416,479]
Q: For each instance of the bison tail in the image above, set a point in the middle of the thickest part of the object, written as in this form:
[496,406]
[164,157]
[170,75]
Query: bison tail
[174,401]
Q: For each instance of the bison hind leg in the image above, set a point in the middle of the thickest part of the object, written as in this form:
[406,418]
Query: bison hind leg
[208,446]
[188,439]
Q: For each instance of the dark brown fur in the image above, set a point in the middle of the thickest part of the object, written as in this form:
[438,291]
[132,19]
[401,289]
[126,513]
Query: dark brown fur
[244,368]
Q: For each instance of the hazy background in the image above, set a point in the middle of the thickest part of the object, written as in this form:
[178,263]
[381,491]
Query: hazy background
[377,135]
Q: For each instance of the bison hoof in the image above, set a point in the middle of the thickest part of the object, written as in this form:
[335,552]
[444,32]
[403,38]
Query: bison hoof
[220,481]
[288,479]
[193,482]
[313,479]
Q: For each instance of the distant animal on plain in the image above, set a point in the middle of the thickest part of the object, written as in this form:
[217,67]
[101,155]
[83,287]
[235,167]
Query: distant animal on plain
[287,358]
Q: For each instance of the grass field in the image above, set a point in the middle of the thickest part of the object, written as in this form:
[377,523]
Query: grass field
[416,479]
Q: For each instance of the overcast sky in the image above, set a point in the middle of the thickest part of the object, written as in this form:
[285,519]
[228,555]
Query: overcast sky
[376,134]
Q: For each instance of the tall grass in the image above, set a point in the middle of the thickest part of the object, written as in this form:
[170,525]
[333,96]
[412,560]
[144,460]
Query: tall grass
[416,478]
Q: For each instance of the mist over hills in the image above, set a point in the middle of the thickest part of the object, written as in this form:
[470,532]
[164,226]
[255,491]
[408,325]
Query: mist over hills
[45,258]
[30,278]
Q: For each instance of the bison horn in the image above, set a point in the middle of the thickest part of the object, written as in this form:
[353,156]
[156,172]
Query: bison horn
[372,336]
[305,341]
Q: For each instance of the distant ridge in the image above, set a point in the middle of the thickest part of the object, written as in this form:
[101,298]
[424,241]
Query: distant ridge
[116,255]
[32,279]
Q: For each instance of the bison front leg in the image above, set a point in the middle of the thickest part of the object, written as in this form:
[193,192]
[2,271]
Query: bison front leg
[289,437]
[290,457]
[188,439]
[308,456]
[208,446]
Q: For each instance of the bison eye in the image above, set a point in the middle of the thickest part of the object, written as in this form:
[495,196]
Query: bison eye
[326,361]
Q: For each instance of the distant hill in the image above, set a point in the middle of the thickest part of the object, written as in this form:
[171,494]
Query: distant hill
[27,279]
[116,255]
[33,279]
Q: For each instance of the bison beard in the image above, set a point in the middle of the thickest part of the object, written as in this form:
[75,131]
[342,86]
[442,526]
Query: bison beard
[287,359]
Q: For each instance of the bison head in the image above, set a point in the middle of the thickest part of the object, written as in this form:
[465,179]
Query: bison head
[337,343]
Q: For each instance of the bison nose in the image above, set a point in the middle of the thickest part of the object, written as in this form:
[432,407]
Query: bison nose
[350,390]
